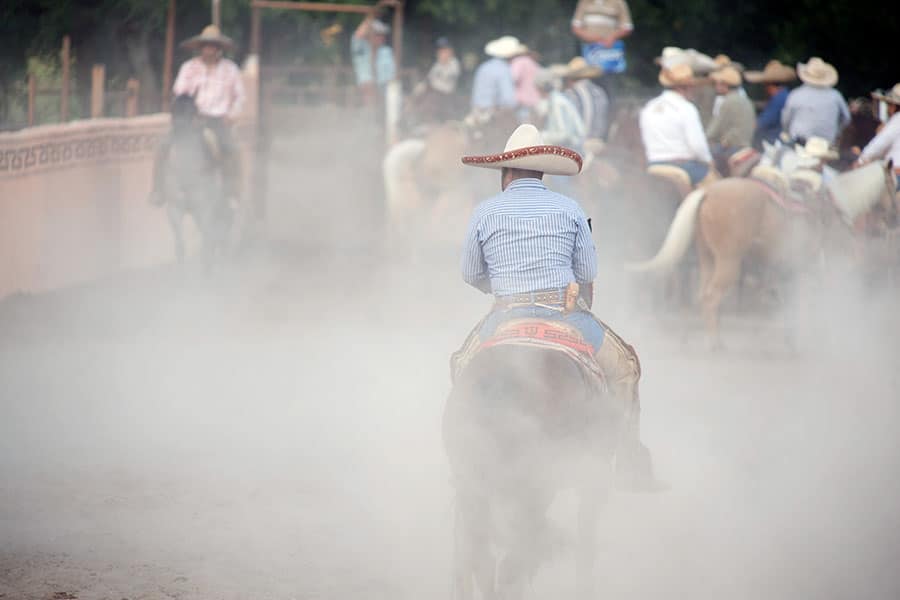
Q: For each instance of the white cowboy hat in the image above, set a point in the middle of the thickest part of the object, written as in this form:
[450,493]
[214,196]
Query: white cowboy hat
[380,27]
[774,72]
[723,60]
[505,47]
[729,75]
[817,73]
[818,148]
[526,150]
[210,35]
[892,95]
[700,63]
[679,75]
[579,68]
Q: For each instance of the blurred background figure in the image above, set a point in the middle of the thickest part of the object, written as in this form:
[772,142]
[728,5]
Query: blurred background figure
[601,25]
[815,109]
[774,77]
[368,39]
[731,128]
[588,96]
[886,144]
[443,78]
[525,67]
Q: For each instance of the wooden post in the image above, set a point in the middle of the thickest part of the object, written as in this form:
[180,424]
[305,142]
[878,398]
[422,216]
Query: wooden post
[98,83]
[64,93]
[133,90]
[398,39]
[217,13]
[255,31]
[167,60]
[32,93]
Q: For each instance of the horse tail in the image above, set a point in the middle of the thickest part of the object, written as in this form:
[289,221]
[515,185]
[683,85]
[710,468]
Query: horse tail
[397,165]
[679,237]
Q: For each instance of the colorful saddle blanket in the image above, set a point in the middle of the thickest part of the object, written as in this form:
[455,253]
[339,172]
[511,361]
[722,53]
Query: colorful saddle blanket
[537,333]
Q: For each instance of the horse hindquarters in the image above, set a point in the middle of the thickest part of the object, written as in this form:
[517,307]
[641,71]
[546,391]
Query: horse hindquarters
[518,419]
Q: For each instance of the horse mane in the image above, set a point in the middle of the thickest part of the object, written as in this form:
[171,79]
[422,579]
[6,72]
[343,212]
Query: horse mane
[856,192]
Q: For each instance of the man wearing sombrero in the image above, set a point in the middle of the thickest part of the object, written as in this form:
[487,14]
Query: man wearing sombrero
[886,144]
[493,89]
[775,77]
[217,88]
[529,247]
[670,125]
[589,98]
[815,109]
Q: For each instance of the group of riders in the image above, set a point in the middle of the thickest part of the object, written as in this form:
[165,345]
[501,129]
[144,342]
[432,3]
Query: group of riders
[531,248]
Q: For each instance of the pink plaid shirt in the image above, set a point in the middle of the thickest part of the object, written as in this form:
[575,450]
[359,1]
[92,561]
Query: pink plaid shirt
[218,91]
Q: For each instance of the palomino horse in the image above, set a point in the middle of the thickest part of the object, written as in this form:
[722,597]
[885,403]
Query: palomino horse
[736,218]
[191,182]
[521,424]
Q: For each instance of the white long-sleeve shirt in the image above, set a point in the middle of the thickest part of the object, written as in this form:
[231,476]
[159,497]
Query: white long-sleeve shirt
[671,130]
[886,144]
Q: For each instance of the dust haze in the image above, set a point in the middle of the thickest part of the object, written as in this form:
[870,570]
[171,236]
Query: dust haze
[272,431]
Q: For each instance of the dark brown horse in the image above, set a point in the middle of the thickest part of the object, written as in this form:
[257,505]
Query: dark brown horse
[520,425]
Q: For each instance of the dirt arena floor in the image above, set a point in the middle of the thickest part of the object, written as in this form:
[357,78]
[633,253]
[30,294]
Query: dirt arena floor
[273,431]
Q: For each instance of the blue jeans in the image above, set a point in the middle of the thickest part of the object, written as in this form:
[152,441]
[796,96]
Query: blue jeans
[695,169]
[583,321]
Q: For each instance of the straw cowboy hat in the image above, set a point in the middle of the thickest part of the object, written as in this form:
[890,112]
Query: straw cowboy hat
[505,47]
[526,150]
[210,35]
[549,78]
[579,68]
[817,73]
[892,95]
[677,76]
[723,60]
[699,62]
[818,148]
[729,75]
[774,72]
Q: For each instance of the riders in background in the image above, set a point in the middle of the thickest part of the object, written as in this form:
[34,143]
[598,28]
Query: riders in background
[775,77]
[864,125]
[371,37]
[601,25]
[886,144]
[671,128]
[217,88]
[815,108]
[532,249]
[525,67]
[493,89]
[589,98]
[731,128]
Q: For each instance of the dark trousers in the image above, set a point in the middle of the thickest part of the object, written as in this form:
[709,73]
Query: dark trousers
[231,157]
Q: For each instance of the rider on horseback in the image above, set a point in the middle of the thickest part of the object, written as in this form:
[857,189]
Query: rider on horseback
[532,249]
[215,84]
[671,128]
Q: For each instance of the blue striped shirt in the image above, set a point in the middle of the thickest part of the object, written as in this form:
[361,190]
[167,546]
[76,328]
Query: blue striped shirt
[527,239]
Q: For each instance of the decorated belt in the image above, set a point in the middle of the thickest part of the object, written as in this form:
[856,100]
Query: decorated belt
[543,297]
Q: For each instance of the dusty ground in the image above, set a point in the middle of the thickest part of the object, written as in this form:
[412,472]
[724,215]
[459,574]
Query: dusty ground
[272,432]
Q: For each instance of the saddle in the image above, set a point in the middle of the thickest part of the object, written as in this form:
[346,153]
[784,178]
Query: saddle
[546,334]
[743,161]
[678,176]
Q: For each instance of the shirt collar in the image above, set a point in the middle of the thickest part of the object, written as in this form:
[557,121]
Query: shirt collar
[526,183]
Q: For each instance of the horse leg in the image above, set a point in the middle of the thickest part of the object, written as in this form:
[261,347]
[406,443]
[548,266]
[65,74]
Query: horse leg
[472,552]
[592,498]
[528,543]
[176,221]
[725,273]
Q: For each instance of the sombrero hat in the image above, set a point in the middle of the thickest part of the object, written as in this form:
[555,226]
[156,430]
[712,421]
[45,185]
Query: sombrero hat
[817,147]
[723,60]
[579,68]
[892,95]
[526,150]
[505,47]
[210,35]
[679,75]
[774,72]
[817,73]
[729,75]
[700,63]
